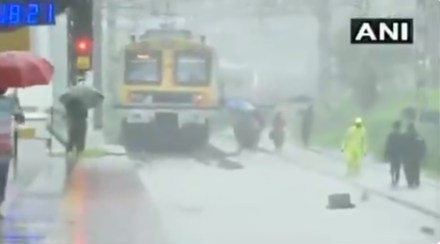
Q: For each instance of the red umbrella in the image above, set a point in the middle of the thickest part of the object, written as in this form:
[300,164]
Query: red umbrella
[23,69]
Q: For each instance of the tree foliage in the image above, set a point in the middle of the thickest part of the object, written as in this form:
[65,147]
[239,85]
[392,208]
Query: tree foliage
[363,67]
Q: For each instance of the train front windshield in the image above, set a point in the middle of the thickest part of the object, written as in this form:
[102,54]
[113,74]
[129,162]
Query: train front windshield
[142,68]
[192,69]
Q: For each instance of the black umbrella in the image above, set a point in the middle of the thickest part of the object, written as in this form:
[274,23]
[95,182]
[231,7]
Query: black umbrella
[91,97]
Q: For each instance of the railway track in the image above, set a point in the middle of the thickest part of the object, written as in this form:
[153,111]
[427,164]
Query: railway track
[211,156]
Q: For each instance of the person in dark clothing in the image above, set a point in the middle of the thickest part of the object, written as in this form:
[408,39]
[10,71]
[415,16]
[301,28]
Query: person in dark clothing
[258,118]
[240,131]
[258,124]
[77,125]
[394,151]
[414,150]
[306,125]
[277,133]
[247,130]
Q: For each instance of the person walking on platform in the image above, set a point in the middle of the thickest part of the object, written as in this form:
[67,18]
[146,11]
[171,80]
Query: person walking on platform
[354,146]
[277,133]
[307,124]
[77,125]
[414,149]
[247,129]
[394,151]
[10,105]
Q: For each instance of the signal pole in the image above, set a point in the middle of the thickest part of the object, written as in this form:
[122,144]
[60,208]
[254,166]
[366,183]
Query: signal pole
[71,71]
[421,65]
[110,45]
[323,14]
[434,42]
[80,38]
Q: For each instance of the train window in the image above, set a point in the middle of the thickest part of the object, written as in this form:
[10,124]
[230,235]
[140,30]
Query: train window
[143,68]
[192,69]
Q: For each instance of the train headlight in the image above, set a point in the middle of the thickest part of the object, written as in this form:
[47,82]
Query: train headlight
[199,98]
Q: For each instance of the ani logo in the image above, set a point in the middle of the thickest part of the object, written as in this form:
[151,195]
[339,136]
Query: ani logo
[381,31]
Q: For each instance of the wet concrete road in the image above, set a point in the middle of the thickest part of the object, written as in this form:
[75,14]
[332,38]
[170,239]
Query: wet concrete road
[175,200]
[271,201]
[268,201]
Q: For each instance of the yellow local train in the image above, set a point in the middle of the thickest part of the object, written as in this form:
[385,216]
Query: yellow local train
[168,91]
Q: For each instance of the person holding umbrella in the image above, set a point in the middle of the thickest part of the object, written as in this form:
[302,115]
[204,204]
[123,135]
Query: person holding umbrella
[77,101]
[9,106]
[76,114]
[247,124]
[17,70]
[277,133]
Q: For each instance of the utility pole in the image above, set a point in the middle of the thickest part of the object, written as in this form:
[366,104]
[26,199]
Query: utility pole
[427,64]
[421,33]
[71,71]
[433,41]
[97,61]
[422,60]
[110,44]
[323,13]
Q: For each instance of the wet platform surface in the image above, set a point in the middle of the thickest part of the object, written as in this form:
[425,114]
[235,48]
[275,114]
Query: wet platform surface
[107,203]
[104,202]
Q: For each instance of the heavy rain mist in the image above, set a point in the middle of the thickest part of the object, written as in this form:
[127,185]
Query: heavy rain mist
[239,121]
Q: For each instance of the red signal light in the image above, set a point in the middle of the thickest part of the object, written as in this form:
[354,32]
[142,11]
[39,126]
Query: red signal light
[83,46]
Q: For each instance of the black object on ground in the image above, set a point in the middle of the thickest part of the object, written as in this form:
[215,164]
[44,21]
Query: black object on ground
[427,230]
[339,201]
[213,153]
[229,164]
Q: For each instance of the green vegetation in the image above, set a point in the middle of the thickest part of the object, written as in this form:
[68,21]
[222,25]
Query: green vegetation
[332,123]
[362,69]
[379,83]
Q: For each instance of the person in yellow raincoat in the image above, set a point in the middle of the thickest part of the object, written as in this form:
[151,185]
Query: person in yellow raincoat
[354,146]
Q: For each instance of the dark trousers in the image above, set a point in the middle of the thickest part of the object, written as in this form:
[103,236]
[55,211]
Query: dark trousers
[412,173]
[77,136]
[395,165]
[247,138]
[4,170]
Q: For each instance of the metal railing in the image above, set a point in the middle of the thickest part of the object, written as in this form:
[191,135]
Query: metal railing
[57,125]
